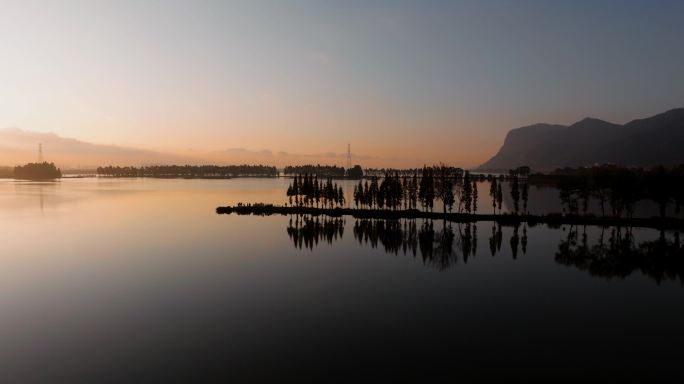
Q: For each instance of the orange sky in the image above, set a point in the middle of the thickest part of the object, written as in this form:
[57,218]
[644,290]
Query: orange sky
[405,83]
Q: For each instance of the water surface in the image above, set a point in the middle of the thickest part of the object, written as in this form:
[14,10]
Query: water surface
[115,280]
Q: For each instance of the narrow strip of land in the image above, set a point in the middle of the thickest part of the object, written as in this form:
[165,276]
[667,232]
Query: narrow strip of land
[505,219]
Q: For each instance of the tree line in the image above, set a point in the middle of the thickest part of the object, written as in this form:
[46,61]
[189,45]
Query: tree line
[189,171]
[324,171]
[37,171]
[455,188]
[617,189]
[6,172]
[452,186]
[380,172]
[307,190]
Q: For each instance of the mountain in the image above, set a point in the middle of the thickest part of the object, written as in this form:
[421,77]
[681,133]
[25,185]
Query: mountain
[645,142]
[18,147]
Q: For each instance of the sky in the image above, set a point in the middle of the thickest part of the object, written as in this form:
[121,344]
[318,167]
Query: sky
[405,82]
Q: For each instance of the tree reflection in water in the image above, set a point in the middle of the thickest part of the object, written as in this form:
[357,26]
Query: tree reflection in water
[441,245]
[620,256]
[495,239]
[306,231]
[438,247]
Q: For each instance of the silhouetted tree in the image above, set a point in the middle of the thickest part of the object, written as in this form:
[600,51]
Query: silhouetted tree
[322,171]
[515,192]
[493,188]
[499,196]
[678,188]
[316,191]
[466,200]
[190,171]
[413,191]
[474,188]
[444,186]
[659,188]
[427,189]
[37,171]
[373,191]
[290,193]
[355,172]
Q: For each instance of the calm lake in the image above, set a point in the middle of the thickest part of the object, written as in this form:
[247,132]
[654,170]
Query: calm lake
[139,280]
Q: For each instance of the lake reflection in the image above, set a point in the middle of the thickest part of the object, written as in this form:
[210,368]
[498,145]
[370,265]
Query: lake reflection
[614,253]
[619,254]
[139,280]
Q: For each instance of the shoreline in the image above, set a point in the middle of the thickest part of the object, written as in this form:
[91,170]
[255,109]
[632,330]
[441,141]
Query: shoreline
[552,220]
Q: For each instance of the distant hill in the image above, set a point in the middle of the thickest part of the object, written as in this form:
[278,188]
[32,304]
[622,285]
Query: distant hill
[644,142]
[19,146]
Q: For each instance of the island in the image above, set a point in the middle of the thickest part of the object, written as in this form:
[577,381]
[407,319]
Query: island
[37,171]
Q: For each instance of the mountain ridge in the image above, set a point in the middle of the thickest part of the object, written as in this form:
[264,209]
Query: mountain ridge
[18,146]
[641,142]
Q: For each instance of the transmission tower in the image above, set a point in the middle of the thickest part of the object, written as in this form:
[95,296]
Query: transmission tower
[40,153]
[349,157]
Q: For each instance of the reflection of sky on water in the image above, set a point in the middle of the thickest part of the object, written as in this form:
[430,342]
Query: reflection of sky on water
[140,278]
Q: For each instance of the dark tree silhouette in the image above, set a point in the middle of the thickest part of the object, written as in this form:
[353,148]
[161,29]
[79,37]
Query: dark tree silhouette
[499,196]
[659,188]
[493,188]
[426,192]
[475,195]
[444,186]
[466,198]
[190,171]
[323,171]
[515,192]
[6,172]
[355,172]
[615,187]
[37,171]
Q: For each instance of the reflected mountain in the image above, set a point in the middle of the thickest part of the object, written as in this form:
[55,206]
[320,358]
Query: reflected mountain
[618,255]
[615,254]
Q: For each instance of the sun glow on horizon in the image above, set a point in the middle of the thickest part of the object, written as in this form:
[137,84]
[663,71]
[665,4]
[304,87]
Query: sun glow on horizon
[406,84]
